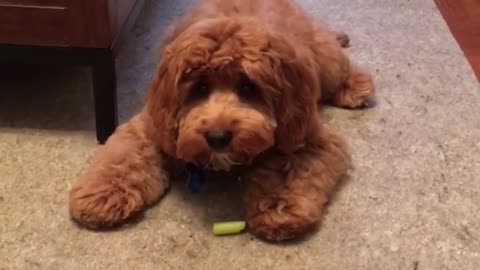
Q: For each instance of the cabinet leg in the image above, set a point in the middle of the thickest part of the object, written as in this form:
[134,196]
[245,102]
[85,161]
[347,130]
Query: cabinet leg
[105,93]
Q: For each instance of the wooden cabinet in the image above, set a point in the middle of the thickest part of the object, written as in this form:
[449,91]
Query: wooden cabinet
[80,23]
[70,32]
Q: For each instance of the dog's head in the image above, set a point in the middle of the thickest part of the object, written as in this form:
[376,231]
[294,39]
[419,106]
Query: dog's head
[229,89]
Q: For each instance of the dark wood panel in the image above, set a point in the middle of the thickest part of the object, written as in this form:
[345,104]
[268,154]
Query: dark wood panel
[39,3]
[33,26]
[89,23]
[463,19]
[98,23]
[76,23]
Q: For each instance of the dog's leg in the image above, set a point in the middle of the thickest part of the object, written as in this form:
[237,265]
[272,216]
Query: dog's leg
[125,177]
[356,91]
[285,196]
[343,84]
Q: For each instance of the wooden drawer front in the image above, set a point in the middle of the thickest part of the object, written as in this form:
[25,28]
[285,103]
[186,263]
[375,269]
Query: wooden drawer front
[38,3]
[78,23]
[33,25]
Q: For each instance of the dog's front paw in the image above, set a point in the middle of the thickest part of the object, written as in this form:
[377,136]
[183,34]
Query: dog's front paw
[98,204]
[280,222]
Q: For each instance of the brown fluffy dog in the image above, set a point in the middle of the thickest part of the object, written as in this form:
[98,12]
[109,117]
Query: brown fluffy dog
[238,84]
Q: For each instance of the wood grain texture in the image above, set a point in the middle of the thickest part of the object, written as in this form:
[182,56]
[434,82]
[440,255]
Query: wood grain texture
[29,25]
[91,23]
[74,23]
[38,3]
[463,19]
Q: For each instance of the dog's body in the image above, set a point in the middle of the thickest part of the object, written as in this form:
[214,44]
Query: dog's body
[238,84]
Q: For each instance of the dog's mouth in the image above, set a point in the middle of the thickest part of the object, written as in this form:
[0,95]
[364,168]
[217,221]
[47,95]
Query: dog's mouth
[238,151]
[223,161]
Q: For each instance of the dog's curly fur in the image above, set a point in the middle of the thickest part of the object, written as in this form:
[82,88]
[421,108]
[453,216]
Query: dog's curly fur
[258,69]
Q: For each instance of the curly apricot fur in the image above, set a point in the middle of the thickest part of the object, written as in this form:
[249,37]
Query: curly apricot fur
[257,69]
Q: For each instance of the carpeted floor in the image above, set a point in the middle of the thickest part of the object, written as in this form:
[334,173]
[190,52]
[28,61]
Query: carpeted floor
[412,202]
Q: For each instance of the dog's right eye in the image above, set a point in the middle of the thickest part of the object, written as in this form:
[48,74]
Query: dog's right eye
[200,90]
[247,89]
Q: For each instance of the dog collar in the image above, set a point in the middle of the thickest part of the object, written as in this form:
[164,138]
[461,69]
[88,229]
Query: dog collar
[196,178]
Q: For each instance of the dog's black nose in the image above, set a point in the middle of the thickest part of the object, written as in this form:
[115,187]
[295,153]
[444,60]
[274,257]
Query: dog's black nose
[218,139]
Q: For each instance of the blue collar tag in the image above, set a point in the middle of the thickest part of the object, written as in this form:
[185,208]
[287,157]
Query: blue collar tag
[196,178]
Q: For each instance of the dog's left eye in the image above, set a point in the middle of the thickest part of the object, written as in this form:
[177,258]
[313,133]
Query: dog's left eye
[200,90]
[247,89]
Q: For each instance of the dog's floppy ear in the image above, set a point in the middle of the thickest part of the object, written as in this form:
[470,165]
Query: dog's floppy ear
[162,104]
[296,107]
